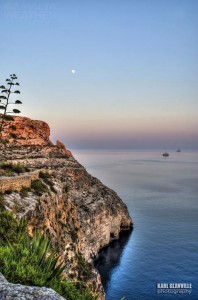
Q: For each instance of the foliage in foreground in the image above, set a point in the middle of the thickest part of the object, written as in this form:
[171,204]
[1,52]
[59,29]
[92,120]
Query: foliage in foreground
[11,230]
[32,261]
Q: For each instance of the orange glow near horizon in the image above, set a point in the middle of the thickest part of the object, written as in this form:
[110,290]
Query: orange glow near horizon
[135,127]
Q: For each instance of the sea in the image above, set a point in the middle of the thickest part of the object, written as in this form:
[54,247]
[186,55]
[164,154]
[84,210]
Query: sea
[159,258]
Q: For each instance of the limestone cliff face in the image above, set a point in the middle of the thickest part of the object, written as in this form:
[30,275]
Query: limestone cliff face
[80,213]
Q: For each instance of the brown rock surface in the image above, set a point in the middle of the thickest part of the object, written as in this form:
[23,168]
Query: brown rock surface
[24,131]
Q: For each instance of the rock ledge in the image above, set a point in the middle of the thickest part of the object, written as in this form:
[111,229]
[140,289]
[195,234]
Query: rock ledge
[21,292]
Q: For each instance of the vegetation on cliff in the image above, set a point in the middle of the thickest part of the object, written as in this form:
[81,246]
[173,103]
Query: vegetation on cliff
[9,169]
[32,261]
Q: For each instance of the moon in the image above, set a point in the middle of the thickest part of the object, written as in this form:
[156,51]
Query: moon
[73,71]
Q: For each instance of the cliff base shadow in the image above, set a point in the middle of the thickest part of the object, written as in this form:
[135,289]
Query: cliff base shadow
[109,256]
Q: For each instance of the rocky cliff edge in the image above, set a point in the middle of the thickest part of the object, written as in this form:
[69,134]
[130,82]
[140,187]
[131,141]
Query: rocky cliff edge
[80,213]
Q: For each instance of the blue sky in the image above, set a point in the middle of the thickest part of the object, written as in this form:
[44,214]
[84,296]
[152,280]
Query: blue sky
[136,65]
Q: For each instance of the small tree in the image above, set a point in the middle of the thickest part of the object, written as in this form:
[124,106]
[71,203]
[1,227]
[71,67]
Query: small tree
[5,101]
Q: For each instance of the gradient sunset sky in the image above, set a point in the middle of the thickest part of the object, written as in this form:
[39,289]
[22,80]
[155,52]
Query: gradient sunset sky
[136,63]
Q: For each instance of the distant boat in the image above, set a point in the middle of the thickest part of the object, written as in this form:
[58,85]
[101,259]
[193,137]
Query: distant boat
[165,154]
[178,150]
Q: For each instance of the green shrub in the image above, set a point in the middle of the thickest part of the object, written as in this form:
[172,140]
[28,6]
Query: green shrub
[44,175]
[11,230]
[6,166]
[72,290]
[39,187]
[1,201]
[33,262]
[8,118]
[16,168]
[24,192]
[9,173]
[29,261]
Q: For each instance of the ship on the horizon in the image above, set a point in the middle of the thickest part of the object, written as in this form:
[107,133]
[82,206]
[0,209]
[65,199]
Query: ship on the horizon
[165,154]
[178,150]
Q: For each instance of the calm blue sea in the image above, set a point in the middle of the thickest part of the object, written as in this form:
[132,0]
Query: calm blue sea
[162,198]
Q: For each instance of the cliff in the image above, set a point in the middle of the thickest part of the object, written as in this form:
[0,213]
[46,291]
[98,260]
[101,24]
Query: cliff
[80,213]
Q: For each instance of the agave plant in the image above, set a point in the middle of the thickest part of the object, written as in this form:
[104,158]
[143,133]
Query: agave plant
[32,261]
[40,247]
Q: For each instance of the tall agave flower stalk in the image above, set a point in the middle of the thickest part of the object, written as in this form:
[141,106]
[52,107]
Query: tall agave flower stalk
[6,102]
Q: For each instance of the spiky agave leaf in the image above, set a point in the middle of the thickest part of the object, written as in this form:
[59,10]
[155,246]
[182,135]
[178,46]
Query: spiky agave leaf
[22,228]
[57,271]
[45,248]
[40,246]
[52,267]
[50,263]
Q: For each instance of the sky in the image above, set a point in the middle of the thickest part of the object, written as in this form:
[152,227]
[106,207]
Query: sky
[136,69]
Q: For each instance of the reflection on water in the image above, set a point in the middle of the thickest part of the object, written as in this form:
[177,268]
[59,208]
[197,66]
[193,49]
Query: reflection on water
[109,256]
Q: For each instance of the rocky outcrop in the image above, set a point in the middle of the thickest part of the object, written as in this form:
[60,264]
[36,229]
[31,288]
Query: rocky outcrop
[80,213]
[34,134]
[19,292]
[24,131]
